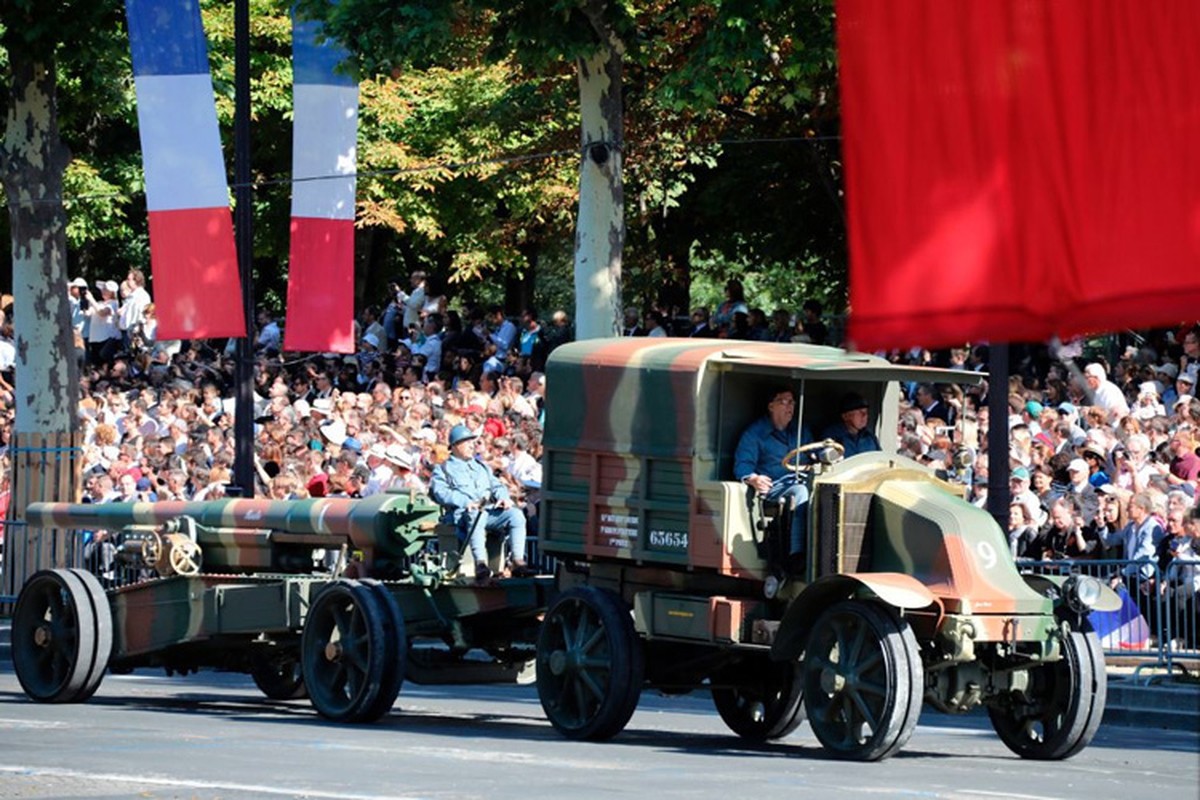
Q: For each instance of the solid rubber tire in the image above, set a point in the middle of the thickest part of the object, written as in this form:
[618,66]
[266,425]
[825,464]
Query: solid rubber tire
[279,676]
[1079,686]
[73,643]
[354,612]
[616,672]
[102,614]
[899,693]
[397,645]
[779,685]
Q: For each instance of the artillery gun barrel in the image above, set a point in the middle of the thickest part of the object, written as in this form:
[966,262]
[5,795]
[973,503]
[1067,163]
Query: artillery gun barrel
[382,523]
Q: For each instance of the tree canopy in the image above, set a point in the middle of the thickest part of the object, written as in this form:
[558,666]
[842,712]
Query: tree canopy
[469,142]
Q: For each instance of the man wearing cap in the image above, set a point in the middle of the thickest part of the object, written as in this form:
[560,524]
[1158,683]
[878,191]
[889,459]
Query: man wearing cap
[1166,375]
[477,502]
[1080,487]
[1018,482]
[852,432]
[79,306]
[104,337]
[1185,385]
[1105,394]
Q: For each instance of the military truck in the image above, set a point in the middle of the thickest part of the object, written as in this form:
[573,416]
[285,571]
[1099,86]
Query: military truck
[269,588]
[674,577]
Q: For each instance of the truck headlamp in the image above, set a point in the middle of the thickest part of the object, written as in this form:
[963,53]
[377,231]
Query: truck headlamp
[1081,592]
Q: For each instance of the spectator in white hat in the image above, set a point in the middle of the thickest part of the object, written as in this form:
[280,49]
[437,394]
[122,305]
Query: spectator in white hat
[104,335]
[1166,374]
[1081,488]
[1105,394]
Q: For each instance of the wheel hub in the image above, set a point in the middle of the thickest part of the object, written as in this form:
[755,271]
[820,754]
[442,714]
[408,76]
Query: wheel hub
[42,637]
[832,681]
[559,662]
[333,651]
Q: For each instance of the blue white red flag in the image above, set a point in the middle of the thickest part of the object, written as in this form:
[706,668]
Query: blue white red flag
[192,254]
[320,304]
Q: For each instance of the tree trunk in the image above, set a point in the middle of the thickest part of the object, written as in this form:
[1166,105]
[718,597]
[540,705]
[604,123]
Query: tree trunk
[34,159]
[600,228]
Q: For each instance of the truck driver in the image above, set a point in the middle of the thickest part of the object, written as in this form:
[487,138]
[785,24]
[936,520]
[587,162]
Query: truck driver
[757,462]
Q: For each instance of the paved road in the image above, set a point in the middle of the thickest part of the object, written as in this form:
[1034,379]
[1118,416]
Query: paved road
[213,736]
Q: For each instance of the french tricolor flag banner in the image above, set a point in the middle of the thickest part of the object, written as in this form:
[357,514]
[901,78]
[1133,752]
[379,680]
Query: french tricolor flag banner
[320,302]
[192,254]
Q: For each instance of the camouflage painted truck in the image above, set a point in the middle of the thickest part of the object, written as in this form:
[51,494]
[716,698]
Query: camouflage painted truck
[675,578]
[264,587]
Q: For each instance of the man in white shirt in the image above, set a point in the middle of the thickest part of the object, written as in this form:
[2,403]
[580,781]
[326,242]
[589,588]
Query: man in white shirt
[133,311]
[1105,393]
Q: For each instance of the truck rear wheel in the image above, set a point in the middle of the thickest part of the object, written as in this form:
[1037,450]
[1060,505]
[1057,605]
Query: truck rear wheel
[590,664]
[1060,712]
[862,681]
[760,699]
[344,652]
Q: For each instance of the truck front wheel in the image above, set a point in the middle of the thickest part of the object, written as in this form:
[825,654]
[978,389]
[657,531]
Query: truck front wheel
[590,664]
[1060,712]
[862,681]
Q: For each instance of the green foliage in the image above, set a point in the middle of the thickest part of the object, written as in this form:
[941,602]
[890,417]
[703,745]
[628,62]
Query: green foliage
[455,94]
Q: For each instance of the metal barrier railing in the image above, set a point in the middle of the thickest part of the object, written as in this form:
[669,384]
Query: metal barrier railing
[1159,611]
[1181,607]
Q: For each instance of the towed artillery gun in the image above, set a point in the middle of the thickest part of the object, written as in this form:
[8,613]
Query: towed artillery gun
[246,585]
[676,575]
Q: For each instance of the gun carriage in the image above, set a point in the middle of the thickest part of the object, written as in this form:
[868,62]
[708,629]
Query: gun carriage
[277,589]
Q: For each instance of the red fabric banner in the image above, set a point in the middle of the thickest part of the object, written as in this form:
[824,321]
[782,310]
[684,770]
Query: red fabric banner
[320,301]
[197,291]
[1016,170]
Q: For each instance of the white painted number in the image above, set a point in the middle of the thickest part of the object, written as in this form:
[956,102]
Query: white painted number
[987,553]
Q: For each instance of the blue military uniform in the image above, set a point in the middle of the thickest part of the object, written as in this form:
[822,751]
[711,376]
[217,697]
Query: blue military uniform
[459,483]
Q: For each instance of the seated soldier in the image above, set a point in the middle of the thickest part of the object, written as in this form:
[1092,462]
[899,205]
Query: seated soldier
[478,503]
[852,432]
[758,463]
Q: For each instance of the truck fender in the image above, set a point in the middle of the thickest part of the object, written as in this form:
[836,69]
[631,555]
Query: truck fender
[893,588]
[1051,585]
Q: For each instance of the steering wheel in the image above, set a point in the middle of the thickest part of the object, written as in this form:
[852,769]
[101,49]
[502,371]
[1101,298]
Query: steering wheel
[794,454]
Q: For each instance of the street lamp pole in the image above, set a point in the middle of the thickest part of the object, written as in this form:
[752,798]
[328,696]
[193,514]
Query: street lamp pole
[243,428]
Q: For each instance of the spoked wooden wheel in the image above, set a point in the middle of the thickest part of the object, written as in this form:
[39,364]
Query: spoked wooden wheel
[862,681]
[1060,712]
[590,664]
[760,699]
[344,653]
[279,675]
[61,636]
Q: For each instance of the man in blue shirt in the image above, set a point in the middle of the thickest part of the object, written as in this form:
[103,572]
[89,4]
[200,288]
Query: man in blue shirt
[478,503]
[757,462]
[852,432]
